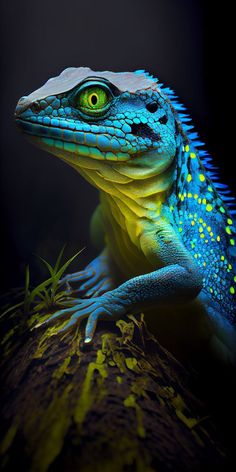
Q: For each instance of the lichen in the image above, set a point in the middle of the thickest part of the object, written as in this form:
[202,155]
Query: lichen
[47,435]
[131,402]
[87,396]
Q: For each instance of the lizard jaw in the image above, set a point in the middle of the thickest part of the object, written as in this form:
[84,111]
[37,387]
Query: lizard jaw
[77,143]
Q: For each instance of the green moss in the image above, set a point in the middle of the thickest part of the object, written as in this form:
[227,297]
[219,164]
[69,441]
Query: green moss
[130,402]
[43,340]
[127,331]
[131,363]
[46,431]
[88,393]
[119,379]
[62,369]
[140,386]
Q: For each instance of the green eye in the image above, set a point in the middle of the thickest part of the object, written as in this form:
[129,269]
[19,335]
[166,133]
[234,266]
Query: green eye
[93,100]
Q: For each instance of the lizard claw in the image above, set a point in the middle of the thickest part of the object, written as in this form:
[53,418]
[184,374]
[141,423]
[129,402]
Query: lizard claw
[104,307]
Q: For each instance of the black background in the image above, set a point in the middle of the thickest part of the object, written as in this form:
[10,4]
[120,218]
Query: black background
[186,43]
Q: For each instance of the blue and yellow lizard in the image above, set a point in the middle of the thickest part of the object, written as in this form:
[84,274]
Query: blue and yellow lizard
[165,225]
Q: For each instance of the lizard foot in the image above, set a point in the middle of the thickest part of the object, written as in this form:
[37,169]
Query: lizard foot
[105,307]
[94,280]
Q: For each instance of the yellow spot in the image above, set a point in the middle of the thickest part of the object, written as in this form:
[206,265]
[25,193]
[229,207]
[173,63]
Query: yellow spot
[230,266]
[199,200]
[193,223]
[180,230]
[180,195]
[189,178]
[228,230]
[195,196]
[200,220]
[229,221]
[196,256]
[204,224]
[200,229]
[202,236]
[222,258]
[209,207]
[232,290]
[204,264]
[208,229]
[189,195]
[192,155]
[171,208]
[187,148]
[201,177]
[232,242]
[204,201]
[218,238]
[210,189]
[182,198]
[211,234]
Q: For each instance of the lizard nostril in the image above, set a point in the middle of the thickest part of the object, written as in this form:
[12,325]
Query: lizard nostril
[152,107]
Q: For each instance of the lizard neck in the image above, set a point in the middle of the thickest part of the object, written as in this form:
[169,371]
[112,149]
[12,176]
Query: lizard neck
[136,188]
[131,193]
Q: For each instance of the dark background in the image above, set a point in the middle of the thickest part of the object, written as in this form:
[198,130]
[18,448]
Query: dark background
[185,43]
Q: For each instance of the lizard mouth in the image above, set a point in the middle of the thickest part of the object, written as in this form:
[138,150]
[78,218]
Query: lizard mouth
[78,142]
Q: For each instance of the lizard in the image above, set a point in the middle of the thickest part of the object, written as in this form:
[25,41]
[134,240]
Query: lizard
[165,226]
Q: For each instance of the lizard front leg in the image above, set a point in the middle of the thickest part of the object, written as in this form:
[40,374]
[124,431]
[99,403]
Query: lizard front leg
[178,280]
[100,274]
[97,278]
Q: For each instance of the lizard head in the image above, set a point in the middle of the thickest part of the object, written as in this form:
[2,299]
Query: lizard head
[101,116]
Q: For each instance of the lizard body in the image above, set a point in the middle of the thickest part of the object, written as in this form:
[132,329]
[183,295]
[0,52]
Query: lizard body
[166,224]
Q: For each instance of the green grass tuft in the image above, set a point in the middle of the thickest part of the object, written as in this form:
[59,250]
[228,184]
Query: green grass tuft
[48,295]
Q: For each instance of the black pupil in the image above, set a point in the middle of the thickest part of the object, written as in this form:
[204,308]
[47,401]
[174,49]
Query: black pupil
[94,99]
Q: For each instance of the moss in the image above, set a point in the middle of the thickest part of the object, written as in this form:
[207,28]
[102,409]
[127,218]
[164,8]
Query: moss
[131,363]
[130,402]
[127,331]
[119,379]
[62,369]
[47,435]
[87,396]
[101,409]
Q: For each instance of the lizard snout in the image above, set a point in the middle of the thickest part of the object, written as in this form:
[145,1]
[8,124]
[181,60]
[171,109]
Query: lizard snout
[21,106]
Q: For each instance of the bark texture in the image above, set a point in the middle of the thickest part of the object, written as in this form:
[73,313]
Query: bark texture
[125,404]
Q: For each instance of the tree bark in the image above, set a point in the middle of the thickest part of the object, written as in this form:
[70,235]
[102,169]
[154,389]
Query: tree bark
[124,404]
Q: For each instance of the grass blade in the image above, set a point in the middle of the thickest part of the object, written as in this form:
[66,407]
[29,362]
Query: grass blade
[49,267]
[58,261]
[61,271]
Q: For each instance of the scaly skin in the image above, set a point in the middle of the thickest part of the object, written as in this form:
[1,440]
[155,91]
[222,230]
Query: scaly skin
[166,227]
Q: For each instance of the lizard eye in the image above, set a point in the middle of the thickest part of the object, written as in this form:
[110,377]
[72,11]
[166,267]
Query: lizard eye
[93,99]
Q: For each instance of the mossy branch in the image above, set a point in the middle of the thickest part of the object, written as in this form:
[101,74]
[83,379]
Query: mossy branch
[123,404]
